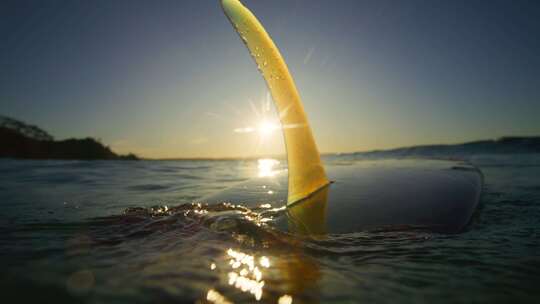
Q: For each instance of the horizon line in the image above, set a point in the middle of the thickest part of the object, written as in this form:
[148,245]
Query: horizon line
[284,155]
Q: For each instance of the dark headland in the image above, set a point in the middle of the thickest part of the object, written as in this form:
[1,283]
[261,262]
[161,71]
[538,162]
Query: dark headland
[20,140]
[503,145]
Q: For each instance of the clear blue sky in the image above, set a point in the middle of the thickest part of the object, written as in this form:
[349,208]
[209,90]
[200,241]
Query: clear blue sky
[172,79]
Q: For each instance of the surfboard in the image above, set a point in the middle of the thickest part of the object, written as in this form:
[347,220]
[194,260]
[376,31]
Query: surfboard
[384,194]
[436,195]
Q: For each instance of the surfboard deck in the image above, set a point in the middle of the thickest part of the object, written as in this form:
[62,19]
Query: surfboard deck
[385,194]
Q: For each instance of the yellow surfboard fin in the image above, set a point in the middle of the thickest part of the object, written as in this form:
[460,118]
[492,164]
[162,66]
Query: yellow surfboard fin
[308,216]
[306,171]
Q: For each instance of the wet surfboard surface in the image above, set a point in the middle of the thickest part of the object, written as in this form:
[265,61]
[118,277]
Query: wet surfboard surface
[388,194]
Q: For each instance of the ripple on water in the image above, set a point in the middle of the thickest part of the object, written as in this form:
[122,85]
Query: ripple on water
[188,252]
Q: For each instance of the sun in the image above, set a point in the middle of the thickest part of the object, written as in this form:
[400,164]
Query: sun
[266,128]
[264,122]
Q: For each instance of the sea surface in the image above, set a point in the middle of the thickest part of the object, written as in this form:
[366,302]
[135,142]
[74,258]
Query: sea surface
[134,232]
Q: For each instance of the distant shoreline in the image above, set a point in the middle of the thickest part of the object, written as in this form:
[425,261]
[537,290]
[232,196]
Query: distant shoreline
[503,145]
[22,141]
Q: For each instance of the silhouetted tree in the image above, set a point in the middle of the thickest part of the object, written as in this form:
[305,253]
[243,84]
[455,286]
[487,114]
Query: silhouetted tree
[29,131]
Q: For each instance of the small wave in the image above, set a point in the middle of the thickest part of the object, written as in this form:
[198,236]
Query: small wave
[148,187]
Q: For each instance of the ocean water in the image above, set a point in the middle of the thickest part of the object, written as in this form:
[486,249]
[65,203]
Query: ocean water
[128,232]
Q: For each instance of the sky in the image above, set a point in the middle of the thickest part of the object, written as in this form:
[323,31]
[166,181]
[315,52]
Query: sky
[168,79]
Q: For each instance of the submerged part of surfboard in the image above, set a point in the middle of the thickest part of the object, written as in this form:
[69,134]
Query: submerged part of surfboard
[438,196]
[306,172]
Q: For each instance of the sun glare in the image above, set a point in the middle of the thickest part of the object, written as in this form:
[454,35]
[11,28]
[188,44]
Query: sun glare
[266,128]
[261,123]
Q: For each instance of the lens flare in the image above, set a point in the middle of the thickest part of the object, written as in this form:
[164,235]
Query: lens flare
[267,128]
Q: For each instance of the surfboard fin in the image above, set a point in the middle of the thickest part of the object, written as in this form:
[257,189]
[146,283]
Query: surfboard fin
[306,171]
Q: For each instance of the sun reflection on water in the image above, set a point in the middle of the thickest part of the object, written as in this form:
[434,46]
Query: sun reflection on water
[285,299]
[217,298]
[267,167]
[246,274]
